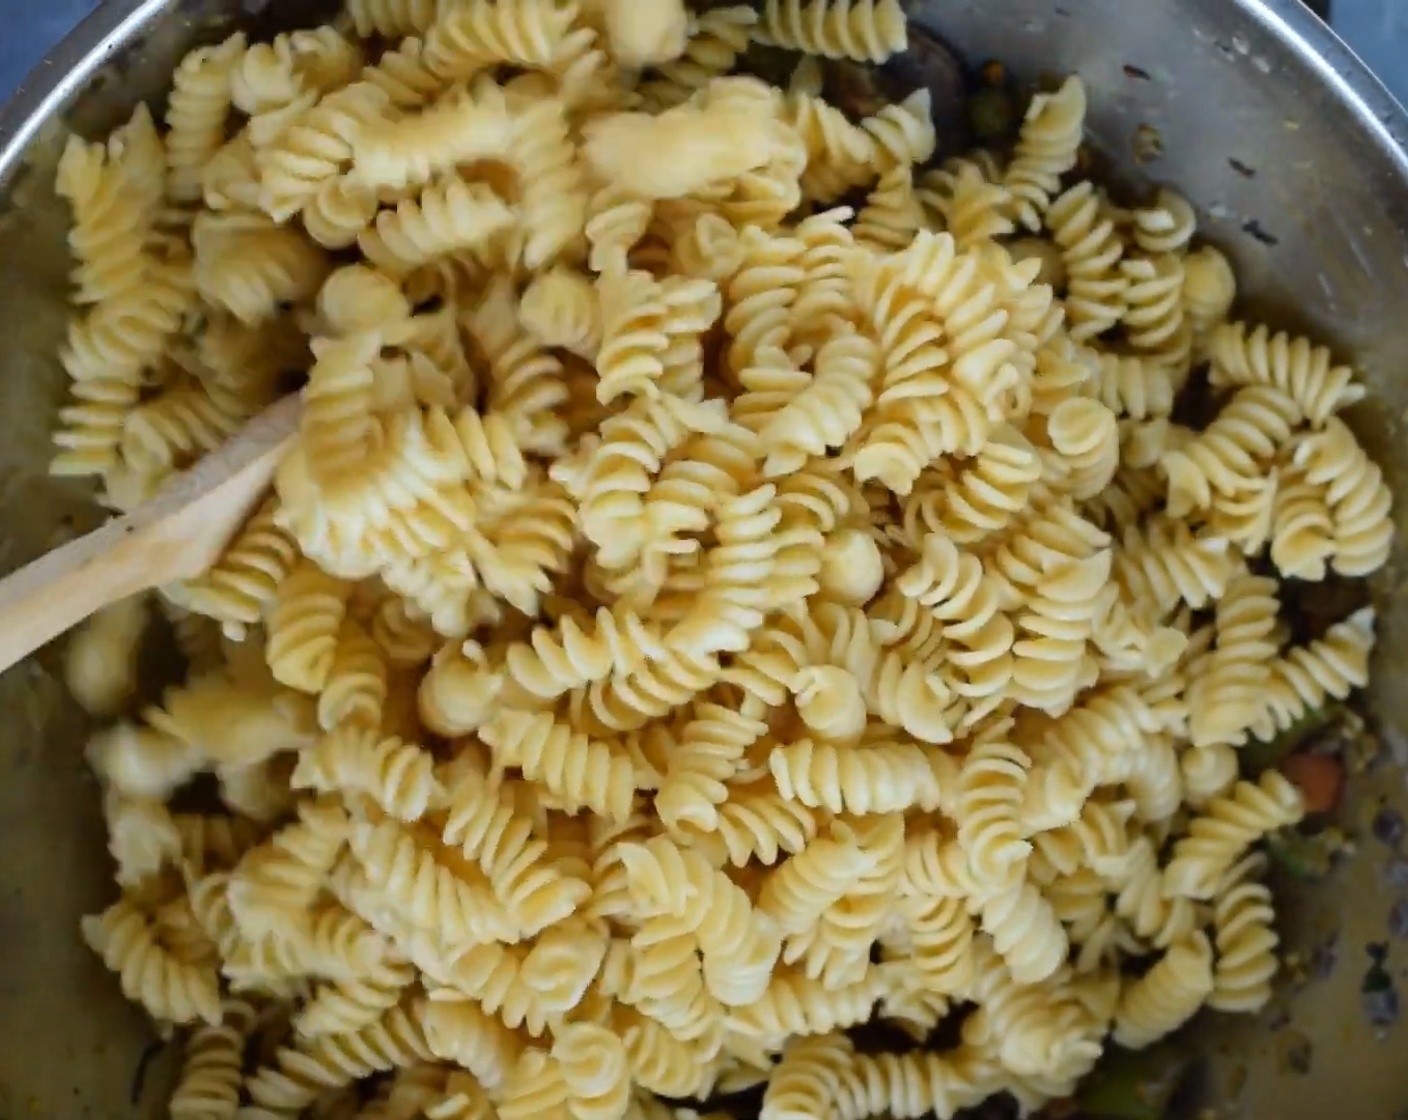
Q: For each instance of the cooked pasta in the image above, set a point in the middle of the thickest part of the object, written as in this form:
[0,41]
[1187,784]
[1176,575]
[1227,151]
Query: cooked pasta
[303,628]
[862,30]
[473,37]
[448,218]
[1226,827]
[202,96]
[167,987]
[1046,150]
[110,223]
[212,1070]
[1233,453]
[100,667]
[399,777]
[695,618]
[1097,287]
[1168,995]
[1358,498]
[715,40]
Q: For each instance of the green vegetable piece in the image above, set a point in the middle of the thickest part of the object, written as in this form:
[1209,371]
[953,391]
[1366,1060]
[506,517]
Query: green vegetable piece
[1306,858]
[992,114]
[1259,756]
[1139,1085]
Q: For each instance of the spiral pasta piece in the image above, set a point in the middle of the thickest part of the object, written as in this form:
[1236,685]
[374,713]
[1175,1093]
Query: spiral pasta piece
[1245,940]
[457,129]
[760,296]
[1229,825]
[1154,317]
[1168,995]
[1161,562]
[615,478]
[197,111]
[212,1069]
[973,209]
[739,946]
[800,890]
[990,493]
[91,427]
[1230,456]
[1035,1029]
[125,335]
[315,149]
[246,579]
[903,132]
[1092,744]
[392,18]
[716,39]
[302,1073]
[250,266]
[898,448]
[1025,932]
[1246,355]
[741,577]
[1047,146]
[710,749]
[448,218]
[460,1031]
[1097,287]
[579,770]
[992,787]
[828,412]
[861,30]
[1085,434]
[892,214]
[303,628]
[840,154]
[577,652]
[483,823]
[151,975]
[560,309]
[757,823]
[1209,290]
[405,866]
[1359,499]
[855,1086]
[173,429]
[109,222]
[595,1068]
[795,1005]
[341,1008]
[1301,530]
[554,202]
[633,344]
[1232,690]
[100,667]
[1327,667]
[870,779]
[461,42]
[279,879]
[399,777]
[660,1062]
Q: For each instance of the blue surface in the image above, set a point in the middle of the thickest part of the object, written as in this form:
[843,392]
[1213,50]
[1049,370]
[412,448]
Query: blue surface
[1376,29]
[31,27]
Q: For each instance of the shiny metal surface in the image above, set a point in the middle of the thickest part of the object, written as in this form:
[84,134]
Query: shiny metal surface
[1294,155]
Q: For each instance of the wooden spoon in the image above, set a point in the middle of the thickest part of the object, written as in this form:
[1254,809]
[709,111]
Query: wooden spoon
[177,535]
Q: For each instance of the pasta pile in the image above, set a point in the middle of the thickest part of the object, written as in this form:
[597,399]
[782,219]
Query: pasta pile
[701,615]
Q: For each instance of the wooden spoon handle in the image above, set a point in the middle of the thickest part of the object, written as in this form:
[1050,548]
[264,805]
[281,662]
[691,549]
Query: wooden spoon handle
[176,535]
[62,588]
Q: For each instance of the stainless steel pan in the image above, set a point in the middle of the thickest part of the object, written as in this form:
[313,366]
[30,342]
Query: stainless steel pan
[1295,157]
